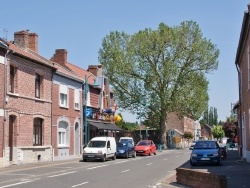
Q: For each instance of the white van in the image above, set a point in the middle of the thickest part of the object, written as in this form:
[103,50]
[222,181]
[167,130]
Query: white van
[101,148]
[127,139]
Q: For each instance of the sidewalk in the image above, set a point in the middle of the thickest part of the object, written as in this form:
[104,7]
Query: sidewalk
[236,171]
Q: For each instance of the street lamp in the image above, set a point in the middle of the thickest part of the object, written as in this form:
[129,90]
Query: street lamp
[86,90]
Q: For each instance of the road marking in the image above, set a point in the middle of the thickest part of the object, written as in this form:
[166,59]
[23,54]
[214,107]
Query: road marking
[149,163]
[121,162]
[97,167]
[165,159]
[80,184]
[125,171]
[62,174]
[10,185]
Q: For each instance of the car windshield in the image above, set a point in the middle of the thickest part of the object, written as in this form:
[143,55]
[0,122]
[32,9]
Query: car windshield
[143,143]
[126,140]
[122,144]
[205,145]
[97,144]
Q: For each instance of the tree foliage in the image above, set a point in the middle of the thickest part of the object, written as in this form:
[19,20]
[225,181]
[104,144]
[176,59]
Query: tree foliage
[230,129]
[210,117]
[127,126]
[218,132]
[155,72]
[188,135]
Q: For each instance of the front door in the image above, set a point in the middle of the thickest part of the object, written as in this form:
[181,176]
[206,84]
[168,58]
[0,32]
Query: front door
[11,135]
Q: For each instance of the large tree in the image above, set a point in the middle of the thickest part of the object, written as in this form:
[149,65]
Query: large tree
[154,72]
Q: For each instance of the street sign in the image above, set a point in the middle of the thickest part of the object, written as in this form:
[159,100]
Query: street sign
[171,132]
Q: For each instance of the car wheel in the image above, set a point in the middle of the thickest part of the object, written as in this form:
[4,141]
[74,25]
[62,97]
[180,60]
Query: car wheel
[104,158]
[155,152]
[84,160]
[192,164]
[126,155]
[149,153]
[114,157]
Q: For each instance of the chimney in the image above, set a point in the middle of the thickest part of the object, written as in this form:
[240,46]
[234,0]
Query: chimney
[95,70]
[21,38]
[33,42]
[60,56]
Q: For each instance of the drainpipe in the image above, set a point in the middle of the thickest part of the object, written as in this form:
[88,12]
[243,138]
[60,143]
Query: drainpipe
[5,93]
[240,105]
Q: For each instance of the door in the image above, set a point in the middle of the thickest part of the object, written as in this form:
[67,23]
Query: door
[11,136]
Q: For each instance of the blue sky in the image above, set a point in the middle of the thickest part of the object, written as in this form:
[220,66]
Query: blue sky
[80,25]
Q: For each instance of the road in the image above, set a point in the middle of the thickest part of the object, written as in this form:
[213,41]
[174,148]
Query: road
[139,172]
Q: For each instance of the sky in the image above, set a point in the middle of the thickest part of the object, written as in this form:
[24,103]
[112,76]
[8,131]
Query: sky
[80,25]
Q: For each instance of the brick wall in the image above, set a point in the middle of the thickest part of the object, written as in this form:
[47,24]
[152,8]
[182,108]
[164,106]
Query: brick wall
[25,107]
[197,179]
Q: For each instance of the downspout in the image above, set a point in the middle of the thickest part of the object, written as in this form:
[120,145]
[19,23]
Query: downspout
[51,119]
[240,119]
[4,98]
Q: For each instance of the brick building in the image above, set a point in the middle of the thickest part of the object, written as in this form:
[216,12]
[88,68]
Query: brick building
[27,101]
[66,109]
[242,62]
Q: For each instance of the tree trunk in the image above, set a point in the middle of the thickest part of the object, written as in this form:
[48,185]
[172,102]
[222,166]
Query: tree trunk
[162,135]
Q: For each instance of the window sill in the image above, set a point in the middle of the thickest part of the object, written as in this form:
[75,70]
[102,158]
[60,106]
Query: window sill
[34,147]
[63,147]
[13,94]
[65,107]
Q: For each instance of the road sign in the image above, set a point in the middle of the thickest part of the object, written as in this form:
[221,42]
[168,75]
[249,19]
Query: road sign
[171,132]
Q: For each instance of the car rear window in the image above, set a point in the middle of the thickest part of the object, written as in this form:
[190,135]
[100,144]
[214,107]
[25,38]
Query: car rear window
[205,145]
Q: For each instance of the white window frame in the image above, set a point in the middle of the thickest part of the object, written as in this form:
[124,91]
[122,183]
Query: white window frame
[77,99]
[63,96]
[63,134]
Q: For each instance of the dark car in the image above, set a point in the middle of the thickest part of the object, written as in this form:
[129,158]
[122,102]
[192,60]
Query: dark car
[206,152]
[125,150]
[223,151]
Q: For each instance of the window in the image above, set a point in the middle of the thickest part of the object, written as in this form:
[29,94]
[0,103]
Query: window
[63,96]
[77,99]
[37,85]
[12,78]
[37,131]
[63,134]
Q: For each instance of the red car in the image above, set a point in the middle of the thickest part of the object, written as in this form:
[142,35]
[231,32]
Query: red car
[145,147]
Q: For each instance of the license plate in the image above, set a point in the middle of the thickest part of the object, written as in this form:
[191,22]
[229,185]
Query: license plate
[205,159]
[140,151]
[90,156]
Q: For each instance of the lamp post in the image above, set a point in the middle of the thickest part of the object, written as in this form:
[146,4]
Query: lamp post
[86,90]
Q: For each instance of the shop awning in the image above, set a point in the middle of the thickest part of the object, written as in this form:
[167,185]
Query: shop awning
[105,126]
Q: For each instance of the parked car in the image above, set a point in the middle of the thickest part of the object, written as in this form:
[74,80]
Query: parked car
[145,147]
[100,148]
[125,149]
[223,151]
[206,152]
[127,139]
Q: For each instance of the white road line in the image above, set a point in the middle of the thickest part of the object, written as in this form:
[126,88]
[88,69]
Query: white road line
[125,171]
[149,163]
[165,159]
[10,185]
[62,174]
[80,184]
[97,167]
[120,162]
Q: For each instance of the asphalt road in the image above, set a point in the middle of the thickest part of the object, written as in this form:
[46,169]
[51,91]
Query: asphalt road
[139,172]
